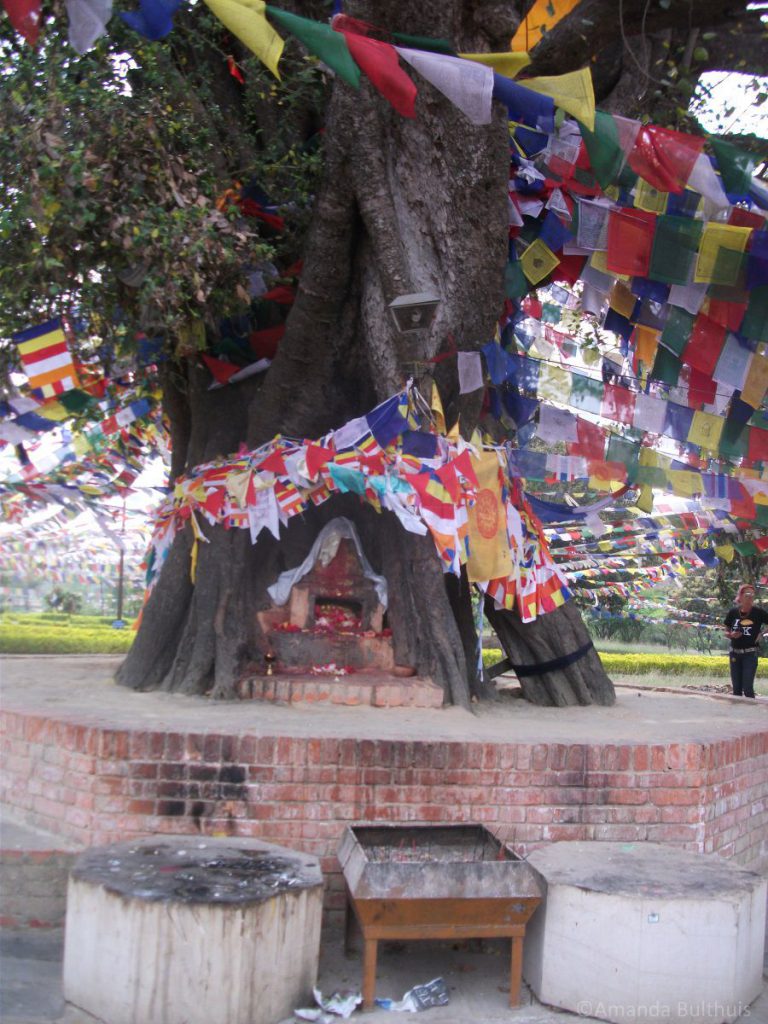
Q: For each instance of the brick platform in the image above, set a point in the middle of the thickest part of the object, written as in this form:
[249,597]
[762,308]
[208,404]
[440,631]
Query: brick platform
[96,781]
[377,690]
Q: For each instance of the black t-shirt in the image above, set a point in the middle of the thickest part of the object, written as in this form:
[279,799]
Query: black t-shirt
[749,624]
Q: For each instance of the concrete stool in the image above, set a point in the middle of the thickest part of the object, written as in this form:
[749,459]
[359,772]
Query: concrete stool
[178,930]
[644,931]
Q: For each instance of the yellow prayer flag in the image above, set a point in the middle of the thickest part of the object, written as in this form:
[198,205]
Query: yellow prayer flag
[705,430]
[489,557]
[646,343]
[571,92]
[721,253]
[644,500]
[725,551]
[554,383]
[649,198]
[53,410]
[756,382]
[507,64]
[538,261]
[246,20]
[622,300]
[684,483]
[541,18]
[436,407]
[599,260]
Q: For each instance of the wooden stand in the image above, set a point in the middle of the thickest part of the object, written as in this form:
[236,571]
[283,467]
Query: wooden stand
[413,924]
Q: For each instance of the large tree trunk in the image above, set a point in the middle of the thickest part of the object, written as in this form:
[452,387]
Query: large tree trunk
[406,206]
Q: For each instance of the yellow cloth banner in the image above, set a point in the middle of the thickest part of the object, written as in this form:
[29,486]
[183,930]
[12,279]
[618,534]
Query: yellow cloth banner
[756,382]
[725,551]
[436,408]
[508,64]
[684,482]
[649,198]
[538,261]
[542,17]
[571,92]
[721,253]
[489,557]
[705,430]
[644,499]
[554,383]
[246,20]
[646,343]
[622,300]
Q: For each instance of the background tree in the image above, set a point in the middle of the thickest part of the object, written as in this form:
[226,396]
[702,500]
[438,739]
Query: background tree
[109,174]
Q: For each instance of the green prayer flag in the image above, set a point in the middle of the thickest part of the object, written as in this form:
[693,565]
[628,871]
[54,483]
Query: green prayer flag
[677,330]
[734,441]
[746,547]
[424,43]
[621,450]
[675,246]
[76,400]
[736,166]
[755,322]
[320,39]
[586,393]
[515,282]
[606,156]
[666,366]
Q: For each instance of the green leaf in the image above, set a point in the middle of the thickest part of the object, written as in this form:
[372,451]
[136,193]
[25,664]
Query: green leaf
[701,53]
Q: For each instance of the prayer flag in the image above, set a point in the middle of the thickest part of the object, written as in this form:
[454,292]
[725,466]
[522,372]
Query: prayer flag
[46,359]
[246,19]
[467,85]
[489,555]
[507,64]
[705,345]
[540,19]
[24,15]
[757,381]
[664,157]
[736,166]
[87,22]
[154,18]
[675,246]
[379,62]
[706,430]
[618,404]
[630,239]
[321,40]
[721,254]
[538,261]
[571,92]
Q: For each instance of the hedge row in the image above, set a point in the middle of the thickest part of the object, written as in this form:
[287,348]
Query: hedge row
[40,638]
[714,666]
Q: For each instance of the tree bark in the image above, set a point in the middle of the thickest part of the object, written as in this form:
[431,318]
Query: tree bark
[548,639]
[405,206]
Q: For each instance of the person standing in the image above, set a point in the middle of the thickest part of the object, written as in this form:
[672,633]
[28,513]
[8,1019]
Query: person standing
[742,627]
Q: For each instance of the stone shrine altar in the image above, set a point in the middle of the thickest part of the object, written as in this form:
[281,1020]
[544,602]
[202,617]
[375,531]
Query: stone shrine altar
[325,636]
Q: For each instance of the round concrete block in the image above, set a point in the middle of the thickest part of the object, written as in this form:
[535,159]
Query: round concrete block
[631,931]
[177,930]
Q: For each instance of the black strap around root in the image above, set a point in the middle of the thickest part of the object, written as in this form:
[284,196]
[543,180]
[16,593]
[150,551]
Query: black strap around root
[545,666]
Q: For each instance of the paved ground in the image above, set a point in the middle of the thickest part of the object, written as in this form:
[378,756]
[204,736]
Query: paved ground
[81,689]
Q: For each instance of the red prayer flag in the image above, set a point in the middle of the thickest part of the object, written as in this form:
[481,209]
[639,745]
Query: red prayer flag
[317,457]
[569,269]
[380,63]
[704,346]
[663,157]
[630,240]
[758,445]
[729,314]
[274,463]
[220,370]
[447,475]
[591,443]
[618,404]
[701,388]
[264,343]
[463,464]
[281,293]
[742,218]
[25,18]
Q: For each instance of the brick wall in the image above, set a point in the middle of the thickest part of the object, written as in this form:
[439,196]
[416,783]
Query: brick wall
[98,785]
